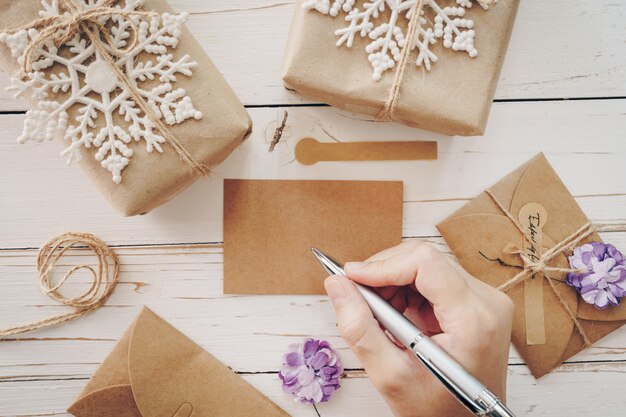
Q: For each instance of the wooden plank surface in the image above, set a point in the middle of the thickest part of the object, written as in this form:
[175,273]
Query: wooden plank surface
[357,397]
[172,257]
[559,48]
[577,136]
[183,284]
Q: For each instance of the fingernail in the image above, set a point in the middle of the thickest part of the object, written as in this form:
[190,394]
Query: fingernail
[335,290]
[352,266]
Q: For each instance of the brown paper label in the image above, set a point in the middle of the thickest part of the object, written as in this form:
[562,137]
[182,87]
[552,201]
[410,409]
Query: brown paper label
[310,151]
[533,218]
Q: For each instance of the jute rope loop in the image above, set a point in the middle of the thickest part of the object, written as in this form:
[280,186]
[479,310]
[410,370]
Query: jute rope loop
[77,20]
[71,23]
[542,264]
[104,279]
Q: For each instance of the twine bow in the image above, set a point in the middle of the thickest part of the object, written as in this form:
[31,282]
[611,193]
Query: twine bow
[88,21]
[388,109]
[541,265]
[105,277]
[74,21]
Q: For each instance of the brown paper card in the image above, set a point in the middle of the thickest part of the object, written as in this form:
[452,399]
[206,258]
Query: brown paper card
[270,227]
[155,371]
[309,151]
[454,98]
[153,178]
[479,230]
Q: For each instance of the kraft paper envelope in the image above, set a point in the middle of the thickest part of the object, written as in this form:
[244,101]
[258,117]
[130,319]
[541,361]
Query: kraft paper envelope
[270,226]
[480,230]
[155,371]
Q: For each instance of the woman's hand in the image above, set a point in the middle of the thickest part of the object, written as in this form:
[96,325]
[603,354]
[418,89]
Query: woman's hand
[466,317]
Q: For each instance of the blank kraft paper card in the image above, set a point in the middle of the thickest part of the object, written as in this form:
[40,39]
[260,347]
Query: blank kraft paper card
[270,226]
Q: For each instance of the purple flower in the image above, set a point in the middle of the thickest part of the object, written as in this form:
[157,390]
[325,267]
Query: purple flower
[311,371]
[601,275]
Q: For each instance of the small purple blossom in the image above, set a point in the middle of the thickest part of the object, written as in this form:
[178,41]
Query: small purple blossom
[601,275]
[311,371]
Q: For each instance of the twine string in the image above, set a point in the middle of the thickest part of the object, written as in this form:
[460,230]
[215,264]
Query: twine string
[104,279]
[71,23]
[77,20]
[386,113]
[541,265]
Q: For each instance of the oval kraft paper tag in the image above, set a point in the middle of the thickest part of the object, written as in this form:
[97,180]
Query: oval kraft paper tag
[533,217]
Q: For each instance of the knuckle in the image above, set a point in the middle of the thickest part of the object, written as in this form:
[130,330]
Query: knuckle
[507,305]
[392,382]
[411,243]
[388,385]
[502,307]
[425,251]
[493,325]
[378,266]
[490,325]
[353,331]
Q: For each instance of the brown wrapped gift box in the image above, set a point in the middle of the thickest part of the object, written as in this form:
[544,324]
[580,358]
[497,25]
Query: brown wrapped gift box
[150,179]
[480,227]
[454,98]
[154,370]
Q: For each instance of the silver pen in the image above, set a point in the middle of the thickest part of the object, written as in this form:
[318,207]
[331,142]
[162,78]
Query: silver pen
[467,389]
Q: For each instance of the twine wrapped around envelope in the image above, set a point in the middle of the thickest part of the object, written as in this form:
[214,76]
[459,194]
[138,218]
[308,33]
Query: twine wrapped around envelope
[541,264]
[492,226]
[104,279]
[77,20]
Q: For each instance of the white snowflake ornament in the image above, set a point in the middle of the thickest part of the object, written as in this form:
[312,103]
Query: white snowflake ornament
[75,77]
[379,20]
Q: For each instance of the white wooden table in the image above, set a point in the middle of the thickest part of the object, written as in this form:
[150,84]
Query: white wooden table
[562,91]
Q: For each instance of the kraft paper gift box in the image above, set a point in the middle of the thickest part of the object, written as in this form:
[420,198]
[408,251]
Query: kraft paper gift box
[487,243]
[149,178]
[155,371]
[454,97]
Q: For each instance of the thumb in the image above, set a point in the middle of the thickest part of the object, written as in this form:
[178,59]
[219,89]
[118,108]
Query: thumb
[360,330]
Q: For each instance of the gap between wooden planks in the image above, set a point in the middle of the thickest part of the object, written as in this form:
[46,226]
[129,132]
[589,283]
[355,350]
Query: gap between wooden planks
[357,396]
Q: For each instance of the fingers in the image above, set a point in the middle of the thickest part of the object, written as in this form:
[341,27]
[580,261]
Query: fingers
[434,277]
[390,267]
[438,281]
[387,253]
[413,263]
[360,330]
[420,312]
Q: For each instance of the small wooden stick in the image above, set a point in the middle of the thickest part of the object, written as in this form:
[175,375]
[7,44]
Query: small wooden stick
[278,134]
[309,151]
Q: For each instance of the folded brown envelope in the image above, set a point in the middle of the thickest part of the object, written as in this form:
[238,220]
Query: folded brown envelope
[480,234]
[270,227]
[155,371]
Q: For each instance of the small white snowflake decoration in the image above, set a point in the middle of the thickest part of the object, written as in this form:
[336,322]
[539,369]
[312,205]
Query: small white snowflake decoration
[379,20]
[75,77]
